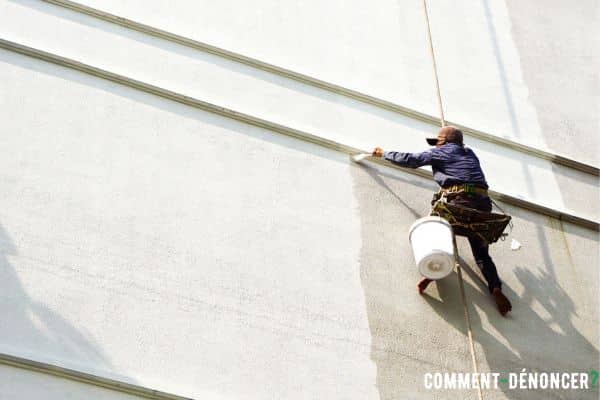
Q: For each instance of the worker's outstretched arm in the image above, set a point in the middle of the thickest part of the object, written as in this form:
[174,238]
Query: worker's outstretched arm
[409,160]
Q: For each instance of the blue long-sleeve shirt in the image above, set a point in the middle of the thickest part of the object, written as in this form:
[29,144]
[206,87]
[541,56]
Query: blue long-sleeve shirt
[452,164]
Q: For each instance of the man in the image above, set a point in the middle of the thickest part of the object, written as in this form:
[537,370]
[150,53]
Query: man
[455,166]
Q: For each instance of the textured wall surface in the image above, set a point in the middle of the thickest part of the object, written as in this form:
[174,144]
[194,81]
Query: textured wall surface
[297,105]
[150,242]
[507,67]
[20,384]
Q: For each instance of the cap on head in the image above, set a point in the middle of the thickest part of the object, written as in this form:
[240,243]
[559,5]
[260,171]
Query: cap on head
[447,134]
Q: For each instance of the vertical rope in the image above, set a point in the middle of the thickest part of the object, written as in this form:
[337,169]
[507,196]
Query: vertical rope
[463,297]
[435,73]
[456,259]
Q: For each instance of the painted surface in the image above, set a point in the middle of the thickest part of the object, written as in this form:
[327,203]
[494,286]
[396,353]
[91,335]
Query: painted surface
[351,43]
[20,384]
[172,248]
[504,67]
[280,100]
[566,95]
[149,242]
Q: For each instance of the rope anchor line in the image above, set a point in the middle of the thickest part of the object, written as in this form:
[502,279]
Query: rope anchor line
[456,259]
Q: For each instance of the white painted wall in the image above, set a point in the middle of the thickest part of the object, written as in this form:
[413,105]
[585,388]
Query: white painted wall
[490,54]
[150,242]
[196,255]
[244,89]
[381,49]
[155,234]
[21,384]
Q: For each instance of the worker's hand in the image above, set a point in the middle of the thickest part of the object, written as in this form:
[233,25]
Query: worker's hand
[378,152]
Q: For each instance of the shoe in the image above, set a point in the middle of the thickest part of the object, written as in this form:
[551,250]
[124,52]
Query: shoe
[502,302]
[422,285]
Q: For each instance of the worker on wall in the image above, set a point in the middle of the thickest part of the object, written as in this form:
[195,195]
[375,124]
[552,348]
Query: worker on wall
[454,167]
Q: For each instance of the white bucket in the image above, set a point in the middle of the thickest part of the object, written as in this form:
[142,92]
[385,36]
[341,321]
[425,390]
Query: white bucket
[432,242]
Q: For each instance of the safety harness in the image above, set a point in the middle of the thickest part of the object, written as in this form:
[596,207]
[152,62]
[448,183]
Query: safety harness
[465,221]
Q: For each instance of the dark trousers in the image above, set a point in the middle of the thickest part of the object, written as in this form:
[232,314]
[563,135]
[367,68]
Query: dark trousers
[485,263]
[480,248]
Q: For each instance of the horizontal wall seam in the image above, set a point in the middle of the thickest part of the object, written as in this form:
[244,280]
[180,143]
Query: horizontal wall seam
[86,378]
[268,125]
[308,80]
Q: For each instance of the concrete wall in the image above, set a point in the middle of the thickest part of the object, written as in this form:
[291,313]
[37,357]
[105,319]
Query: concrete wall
[150,242]
[284,101]
[507,67]
[21,384]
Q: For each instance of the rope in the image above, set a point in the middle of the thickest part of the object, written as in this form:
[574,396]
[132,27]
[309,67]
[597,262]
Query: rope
[468,321]
[435,74]
[463,298]
[456,261]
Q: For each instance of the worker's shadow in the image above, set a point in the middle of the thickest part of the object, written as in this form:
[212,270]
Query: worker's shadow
[524,339]
[539,334]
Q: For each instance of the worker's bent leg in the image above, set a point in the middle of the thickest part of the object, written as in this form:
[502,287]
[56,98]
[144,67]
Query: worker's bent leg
[485,263]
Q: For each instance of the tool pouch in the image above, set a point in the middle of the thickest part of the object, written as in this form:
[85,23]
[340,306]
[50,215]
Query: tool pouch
[486,226]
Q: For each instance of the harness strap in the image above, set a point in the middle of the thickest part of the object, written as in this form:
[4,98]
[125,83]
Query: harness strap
[467,188]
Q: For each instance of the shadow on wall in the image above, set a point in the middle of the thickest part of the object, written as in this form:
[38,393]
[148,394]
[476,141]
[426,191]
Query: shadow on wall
[539,348]
[564,90]
[508,98]
[32,330]
[524,340]
[387,280]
